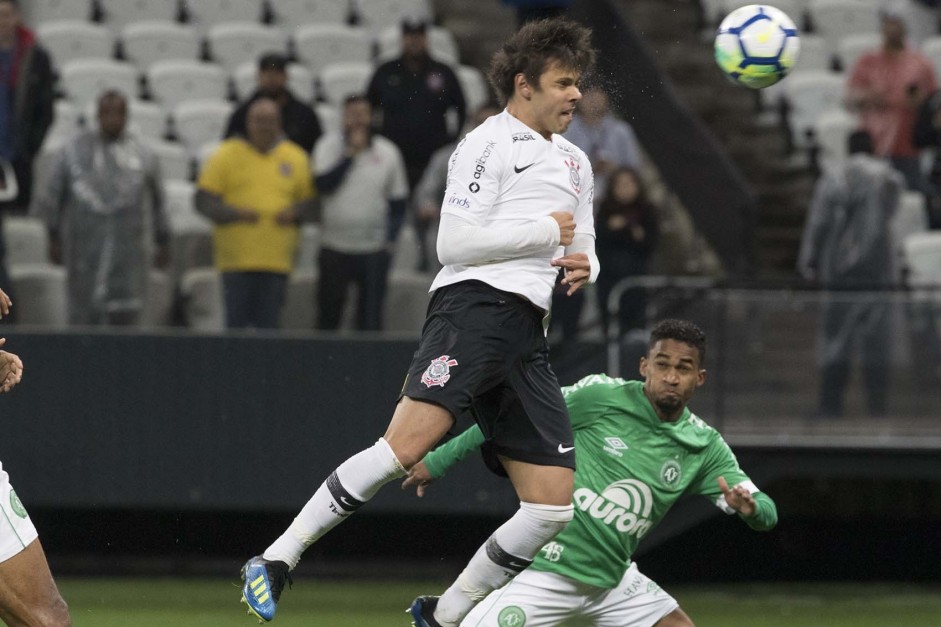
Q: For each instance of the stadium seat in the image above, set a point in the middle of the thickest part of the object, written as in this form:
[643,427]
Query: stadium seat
[339,80]
[44,162]
[233,43]
[145,43]
[190,231]
[329,116]
[931,48]
[85,79]
[205,151]
[199,121]
[835,19]
[441,44]
[814,57]
[809,94]
[406,301]
[71,39]
[65,121]
[923,259]
[118,14]
[405,258]
[852,47]
[26,240]
[159,305]
[175,162]
[39,11]
[831,131]
[204,13]
[380,13]
[40,294]
[474,86]
[290,13]
[300,81]
[910,217]
[319,45]
[201,289]
[145,119]
[300,301]
[173,82]
[308,247]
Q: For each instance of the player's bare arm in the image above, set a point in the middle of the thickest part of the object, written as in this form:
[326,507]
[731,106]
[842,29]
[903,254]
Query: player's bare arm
[738,498]
[11,369]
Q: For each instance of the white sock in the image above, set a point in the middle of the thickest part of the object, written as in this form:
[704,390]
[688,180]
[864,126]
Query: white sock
[503,556]
[352,484]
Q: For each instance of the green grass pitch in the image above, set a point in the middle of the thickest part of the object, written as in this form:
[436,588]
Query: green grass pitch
[312,603]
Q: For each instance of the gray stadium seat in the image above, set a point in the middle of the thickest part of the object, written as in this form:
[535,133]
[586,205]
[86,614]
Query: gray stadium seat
[809,95]
[146,119]
[339,80]
[290,13]
[74,39]
[406,302]
[173,82]
[300,301]
[199,121]
[40,294]
[851,47]
[379,13]
[175,162]
[65,121]
[146,43]
[441,44]
[26,240]
[233,43]
[474,86]
[923,258]
[190,231]
[835,19]
[329,116]
[319,45]
[120,13]
[204,13]
[39,11]
[85,79]
[832,129]
[931,48]
[910,217]
[201,289]
[308,247]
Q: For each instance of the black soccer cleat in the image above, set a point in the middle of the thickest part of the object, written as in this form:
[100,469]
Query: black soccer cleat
[423,612]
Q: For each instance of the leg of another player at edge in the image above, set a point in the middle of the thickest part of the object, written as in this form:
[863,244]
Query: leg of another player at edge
[676,618]
[545,494]
[28,595]
[415,428]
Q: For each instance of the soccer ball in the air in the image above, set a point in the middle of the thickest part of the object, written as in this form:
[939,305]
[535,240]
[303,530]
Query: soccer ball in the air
[756,45]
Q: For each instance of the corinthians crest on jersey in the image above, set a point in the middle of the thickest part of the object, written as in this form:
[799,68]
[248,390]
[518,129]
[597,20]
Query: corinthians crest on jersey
[438,371]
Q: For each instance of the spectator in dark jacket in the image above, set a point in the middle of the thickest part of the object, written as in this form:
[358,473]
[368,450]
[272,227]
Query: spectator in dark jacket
[299,121]
[26,97]
[413,94]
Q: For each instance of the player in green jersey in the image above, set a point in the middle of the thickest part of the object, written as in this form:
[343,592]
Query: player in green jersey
[638,449]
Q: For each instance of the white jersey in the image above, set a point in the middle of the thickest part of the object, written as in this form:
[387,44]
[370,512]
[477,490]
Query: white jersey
[504,174]
[16,529]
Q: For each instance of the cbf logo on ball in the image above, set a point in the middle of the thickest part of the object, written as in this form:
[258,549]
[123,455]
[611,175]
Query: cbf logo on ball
[626,504]
[438,371]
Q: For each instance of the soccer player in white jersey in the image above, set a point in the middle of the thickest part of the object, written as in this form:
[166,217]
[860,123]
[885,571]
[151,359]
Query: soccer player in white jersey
[518,206]
[28,594]
[639,448]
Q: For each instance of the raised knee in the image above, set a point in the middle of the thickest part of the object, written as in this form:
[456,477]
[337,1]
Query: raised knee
[56,615]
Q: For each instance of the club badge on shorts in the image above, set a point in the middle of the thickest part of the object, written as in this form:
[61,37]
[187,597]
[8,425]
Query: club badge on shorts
[438,371]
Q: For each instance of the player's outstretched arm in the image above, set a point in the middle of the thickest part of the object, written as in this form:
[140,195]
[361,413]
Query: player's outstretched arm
[757,510]
[11,369]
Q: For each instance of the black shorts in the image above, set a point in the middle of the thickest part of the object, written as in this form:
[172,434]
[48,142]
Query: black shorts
[484,351]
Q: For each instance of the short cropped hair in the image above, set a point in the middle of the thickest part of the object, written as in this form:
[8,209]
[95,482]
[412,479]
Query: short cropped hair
[681,331]
[534,47]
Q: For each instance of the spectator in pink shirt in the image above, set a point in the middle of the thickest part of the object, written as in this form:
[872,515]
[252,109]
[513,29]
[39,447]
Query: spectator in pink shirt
[886,87]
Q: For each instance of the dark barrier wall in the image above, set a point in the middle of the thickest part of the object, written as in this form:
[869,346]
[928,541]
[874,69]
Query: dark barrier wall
[180,421]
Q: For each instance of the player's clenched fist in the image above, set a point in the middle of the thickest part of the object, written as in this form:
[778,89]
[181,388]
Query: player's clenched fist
[566,226]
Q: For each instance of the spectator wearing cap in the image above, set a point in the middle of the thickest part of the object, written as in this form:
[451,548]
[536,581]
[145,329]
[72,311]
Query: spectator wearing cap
[299,121]
[412,96]
[886,87]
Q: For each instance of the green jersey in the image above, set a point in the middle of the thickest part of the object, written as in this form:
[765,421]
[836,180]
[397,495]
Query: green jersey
[632,467]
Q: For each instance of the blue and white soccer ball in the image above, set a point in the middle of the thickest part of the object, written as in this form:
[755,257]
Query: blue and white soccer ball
[756,45]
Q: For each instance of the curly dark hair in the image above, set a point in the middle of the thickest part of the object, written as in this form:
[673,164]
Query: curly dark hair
[681,331]
[534,47]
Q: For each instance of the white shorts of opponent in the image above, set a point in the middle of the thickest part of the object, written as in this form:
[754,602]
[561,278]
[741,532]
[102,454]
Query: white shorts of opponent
[540,599]
[16,529]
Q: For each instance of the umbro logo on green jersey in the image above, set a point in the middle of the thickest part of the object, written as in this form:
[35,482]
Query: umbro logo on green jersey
[614,446]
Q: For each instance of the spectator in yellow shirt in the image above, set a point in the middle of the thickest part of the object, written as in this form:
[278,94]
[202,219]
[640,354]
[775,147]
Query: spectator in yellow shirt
[256,189]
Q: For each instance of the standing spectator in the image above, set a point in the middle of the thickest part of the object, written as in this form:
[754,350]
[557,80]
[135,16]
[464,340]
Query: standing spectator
[256,190]
[428,194]
[886,87]
[102,202]
[364,193]
[299,121]
[847,246]
[413,95]
[609,142]
[627,230]
[25,114]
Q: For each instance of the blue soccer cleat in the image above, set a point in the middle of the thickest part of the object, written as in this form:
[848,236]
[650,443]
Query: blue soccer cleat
[423,612]
[264,581]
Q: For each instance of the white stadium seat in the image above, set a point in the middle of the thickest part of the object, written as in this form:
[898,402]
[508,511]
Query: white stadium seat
[39,11]
[931,48]
[175,162]
[294,12]
[233,43]
[406,254]
[911,216]
[85,79]
[406,302]
[67,40]
[300,81]
[810,94]
[441,44]
[26,240]
[120,13]
[205,151]
[200,121]
[834,19]
[40,294]
[65,121]
[339,80]
[380,13]
[204,308]
[474,86]
[173,82]
[145,43]
[190,231]
[329,116]
[300,300]
[832,130]
[814,57]
[851,47]
[308,247]
[204,13]
[319,45]
[923,258]
[145,119]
